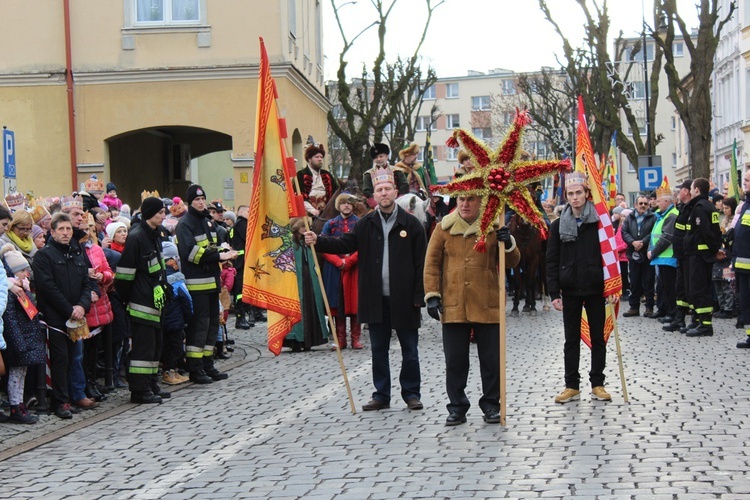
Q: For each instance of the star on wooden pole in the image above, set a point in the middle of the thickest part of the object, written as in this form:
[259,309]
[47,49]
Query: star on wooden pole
[501,177]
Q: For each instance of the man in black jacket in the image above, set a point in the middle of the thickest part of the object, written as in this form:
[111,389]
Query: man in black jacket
[636,232]
[391,245]
[576,280]
[63,293]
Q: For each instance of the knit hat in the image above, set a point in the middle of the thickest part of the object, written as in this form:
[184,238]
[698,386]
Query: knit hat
[15,259]
[345,198]
[231,216]
[178,207]
[412,149]
[379,148]
[314,149]
[112,228]
[626,212]
[150,207]
[36,231]
[111,187]
[617,210]
[125,210]
[193,192]
[169,250]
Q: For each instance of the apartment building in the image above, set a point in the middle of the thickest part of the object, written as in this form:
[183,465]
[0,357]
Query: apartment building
[161,92]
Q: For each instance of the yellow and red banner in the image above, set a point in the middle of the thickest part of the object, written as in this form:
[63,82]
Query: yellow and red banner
[270,279]
[610,173]
[586,162]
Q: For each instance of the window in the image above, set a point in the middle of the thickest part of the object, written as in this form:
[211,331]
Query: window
[480,103]
[641,127]
[508,117]
[430,92]
[637,90]
[678,48]
[292,17]
[509,87]
[167,12]
[451,153]
[638,56]
[674,122]
[482,133]
[631,168]
[452,121]
[674,160]
[423,122]
[451,90]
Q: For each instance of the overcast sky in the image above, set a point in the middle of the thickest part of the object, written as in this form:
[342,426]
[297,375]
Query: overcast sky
[477,34]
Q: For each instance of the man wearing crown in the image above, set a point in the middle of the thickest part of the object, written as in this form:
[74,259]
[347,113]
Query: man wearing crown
[661,253]
[390,290]
[576,280]
[316,183]
[379,153]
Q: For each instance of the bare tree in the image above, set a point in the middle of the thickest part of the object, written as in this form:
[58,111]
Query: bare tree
[691,93]
[370,103]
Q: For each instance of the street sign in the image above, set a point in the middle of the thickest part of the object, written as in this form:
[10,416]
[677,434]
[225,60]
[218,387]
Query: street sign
[650,178]
[9,154]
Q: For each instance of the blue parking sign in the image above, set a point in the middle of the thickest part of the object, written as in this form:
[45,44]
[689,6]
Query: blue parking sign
[650,178]
[9,154]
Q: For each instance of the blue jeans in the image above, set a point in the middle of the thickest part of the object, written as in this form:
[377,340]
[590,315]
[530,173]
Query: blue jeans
[380,340]
[76,376]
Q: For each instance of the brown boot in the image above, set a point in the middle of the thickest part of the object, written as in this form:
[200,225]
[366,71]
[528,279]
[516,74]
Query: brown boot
[356,334]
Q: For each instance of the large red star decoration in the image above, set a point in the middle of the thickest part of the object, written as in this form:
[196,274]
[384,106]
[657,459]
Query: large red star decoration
[501,177]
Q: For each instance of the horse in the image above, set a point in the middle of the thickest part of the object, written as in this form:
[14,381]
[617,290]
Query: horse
[532,264]
[416,206]
[329,211]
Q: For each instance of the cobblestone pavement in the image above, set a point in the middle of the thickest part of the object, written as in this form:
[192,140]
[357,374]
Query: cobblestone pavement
[281,427]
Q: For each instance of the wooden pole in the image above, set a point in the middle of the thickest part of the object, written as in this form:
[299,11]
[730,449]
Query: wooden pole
[619,353]
[501,284]
[328,313]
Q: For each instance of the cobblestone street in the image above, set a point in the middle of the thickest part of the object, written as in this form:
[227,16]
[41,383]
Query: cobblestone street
[281,427]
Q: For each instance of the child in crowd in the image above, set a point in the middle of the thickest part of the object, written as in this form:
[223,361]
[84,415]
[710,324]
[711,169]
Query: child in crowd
[175,316]
[24,334]
[228,274]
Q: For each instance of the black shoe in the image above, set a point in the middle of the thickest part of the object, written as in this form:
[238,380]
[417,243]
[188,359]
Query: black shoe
[744,344]
[163,394]
[649,313]
[230,342]
[259,317]
[701,331]
[229,348]
[64,411]
[673,327]
[147,397]
[374,405]
[221,355]
[92,392]
[414,404]
[456,419]
[665,320]
[691,326]
[200,377]
[492,417]
[216,375]
[241,323]
[723,314]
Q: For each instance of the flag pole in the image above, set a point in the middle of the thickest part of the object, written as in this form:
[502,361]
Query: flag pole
[501,284]
[328,310]
[619,352]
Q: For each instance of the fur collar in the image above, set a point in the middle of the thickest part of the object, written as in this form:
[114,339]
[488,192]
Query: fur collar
[455,225]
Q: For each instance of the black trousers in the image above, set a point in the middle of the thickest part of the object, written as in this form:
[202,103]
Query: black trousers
[572,312]
[680,285]
[61,353]
[667,294]
[456,346]
[202,332]
[699,287]
[641,276]
[743,291]
[144,358]
[173,348]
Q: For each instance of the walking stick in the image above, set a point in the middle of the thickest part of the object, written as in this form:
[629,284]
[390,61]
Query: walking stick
[328,313]
[501,284]
[619,353]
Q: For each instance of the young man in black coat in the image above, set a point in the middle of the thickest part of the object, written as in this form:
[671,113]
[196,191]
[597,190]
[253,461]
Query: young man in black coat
[391,245]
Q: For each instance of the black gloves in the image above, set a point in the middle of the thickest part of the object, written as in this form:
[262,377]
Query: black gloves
[434,307]
[503,234]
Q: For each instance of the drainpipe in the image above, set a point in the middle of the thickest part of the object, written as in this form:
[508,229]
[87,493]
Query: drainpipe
[69,90]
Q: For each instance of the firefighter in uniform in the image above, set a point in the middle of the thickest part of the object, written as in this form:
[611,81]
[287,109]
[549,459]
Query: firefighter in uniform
[201,256]
[702,241]
[741,258]
[677,239]
[141,282]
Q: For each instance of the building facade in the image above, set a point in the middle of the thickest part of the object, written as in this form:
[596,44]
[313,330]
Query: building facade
[153,94]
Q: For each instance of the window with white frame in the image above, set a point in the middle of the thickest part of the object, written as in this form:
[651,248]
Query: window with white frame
[292,17]
[509,87]
[423,122]
[678,49]
[508,117]
[451,121]
[166,12]
[631,168]
[641,127]
[747,95]
[451,153]
[480,103]
[482,133]
[637,90]
[674,160]
[674,122]
[429,93]
[451,90]
[638,56]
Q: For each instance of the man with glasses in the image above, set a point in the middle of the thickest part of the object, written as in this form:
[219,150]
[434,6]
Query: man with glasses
[636,232]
